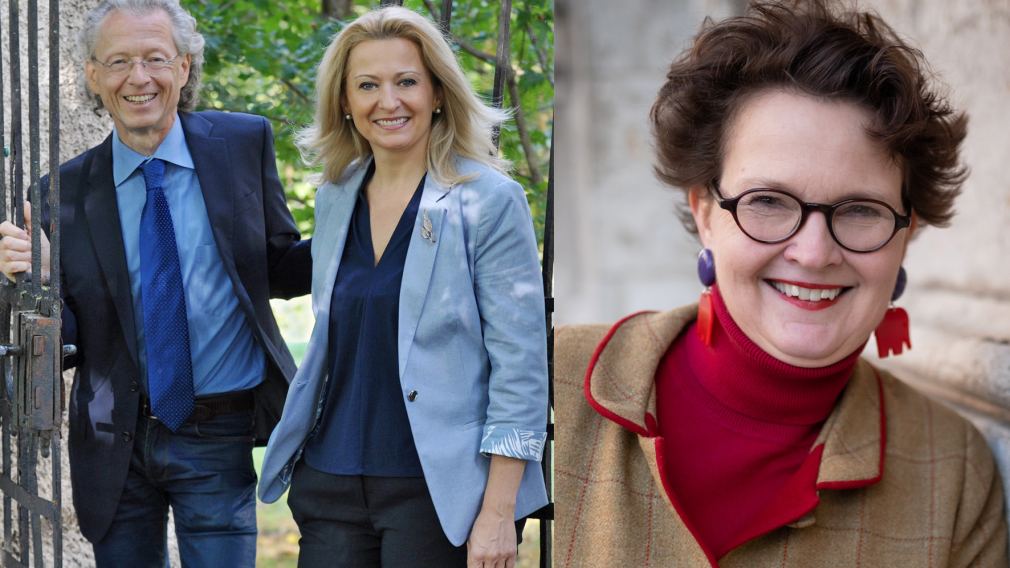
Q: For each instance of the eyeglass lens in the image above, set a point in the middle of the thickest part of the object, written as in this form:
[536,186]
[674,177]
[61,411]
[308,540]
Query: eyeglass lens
[151,64]
[773,216]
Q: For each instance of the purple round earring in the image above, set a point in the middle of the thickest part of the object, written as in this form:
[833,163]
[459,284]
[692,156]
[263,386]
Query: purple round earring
[899,285]
[706,267]
[706,273]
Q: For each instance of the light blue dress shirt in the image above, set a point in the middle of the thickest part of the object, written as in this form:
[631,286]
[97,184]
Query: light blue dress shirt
[225,355]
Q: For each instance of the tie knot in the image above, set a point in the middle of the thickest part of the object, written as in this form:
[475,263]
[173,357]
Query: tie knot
[154,171]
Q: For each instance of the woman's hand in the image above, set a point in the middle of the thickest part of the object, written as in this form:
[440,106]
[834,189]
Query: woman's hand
[492,542]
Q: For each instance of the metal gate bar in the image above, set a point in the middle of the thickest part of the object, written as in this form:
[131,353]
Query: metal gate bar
[30,351]
[53,297]
[546,541]
[17,175]
[5,316]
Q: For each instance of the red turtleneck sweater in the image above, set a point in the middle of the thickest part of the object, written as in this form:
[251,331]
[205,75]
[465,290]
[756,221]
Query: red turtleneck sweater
[738,430]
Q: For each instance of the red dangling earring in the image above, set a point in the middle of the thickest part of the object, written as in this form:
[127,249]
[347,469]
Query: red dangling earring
[706,317]
[892,333]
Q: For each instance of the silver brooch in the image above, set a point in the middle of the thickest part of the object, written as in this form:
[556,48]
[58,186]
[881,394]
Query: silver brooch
[426,227]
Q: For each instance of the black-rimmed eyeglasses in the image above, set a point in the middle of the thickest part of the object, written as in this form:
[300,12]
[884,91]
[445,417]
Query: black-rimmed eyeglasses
[772,216]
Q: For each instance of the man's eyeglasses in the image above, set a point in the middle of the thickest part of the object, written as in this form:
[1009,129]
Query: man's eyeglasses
[121,65]
[773,216]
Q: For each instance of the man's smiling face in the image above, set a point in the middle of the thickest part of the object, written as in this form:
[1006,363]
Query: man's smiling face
[142,102]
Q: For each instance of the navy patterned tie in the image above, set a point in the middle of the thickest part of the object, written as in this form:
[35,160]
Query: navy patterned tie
[166,328]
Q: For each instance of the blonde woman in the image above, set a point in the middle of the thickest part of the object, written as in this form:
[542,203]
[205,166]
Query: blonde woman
[412,432]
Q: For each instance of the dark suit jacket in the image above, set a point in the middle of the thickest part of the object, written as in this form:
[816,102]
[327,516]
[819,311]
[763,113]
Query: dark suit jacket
[263,256]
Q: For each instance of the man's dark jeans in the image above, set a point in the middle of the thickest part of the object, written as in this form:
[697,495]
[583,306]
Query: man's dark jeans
[204,472]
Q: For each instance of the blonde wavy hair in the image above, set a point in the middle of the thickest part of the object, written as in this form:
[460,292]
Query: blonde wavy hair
[463,128]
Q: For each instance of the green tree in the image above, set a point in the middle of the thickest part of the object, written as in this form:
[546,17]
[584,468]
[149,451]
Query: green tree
[261,58]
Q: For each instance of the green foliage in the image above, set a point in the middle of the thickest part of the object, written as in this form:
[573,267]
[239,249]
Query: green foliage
[261,58]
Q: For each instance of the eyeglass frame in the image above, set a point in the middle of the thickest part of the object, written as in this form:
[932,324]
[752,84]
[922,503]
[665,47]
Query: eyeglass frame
[169,63]
[730,204]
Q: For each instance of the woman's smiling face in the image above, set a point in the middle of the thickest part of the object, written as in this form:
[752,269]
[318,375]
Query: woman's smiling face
[391,95]
[819,151]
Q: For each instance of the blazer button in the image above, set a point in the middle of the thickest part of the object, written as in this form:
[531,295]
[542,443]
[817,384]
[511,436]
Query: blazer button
[134,386]
[412,395]
[127,437]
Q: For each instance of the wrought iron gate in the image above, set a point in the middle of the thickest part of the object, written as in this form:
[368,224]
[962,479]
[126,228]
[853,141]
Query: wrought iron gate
[31,397]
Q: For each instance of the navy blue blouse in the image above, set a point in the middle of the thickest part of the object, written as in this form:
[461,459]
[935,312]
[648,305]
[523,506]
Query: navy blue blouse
[364,428]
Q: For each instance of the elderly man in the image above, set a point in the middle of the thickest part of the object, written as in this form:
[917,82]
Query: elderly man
[175,236]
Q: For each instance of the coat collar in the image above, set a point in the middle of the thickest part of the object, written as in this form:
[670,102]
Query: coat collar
[102,213]
[620,386]
[212,159]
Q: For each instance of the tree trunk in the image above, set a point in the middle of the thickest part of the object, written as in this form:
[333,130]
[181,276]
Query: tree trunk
[336,9]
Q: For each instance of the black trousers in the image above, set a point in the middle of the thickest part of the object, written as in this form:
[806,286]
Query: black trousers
[349,521]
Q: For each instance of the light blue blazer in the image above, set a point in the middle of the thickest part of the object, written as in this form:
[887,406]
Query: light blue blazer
[472,341]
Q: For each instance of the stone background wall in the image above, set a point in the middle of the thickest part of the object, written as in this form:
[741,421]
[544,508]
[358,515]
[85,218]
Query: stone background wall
[959,278]
[620,248]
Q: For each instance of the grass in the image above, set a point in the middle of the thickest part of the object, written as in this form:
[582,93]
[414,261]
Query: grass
[277,544]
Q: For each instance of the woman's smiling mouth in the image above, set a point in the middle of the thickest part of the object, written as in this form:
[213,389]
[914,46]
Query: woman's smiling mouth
[391,122]
[808,296]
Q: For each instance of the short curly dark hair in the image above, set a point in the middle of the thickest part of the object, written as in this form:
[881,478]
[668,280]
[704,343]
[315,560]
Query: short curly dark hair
[809,47]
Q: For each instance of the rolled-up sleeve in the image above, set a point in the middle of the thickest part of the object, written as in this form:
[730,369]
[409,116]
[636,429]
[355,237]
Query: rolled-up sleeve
[509,290]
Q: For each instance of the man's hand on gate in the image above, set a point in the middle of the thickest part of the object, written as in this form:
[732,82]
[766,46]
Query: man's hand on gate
[16,248]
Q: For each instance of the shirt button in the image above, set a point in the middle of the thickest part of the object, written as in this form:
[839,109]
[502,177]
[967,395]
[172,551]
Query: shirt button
[412,395]
[127,437]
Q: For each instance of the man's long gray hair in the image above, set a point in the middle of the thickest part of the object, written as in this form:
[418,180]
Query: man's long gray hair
[187,41]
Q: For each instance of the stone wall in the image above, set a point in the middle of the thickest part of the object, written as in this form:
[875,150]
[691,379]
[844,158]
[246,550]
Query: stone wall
[621,249]
[959,277]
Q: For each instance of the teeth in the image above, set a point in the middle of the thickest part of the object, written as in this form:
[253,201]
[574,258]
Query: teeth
[807,294]
[390,122]
[139,98]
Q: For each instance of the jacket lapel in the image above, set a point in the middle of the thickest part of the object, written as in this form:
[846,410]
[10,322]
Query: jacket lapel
[212,161]
[621,388]
[854,436]
[102,214]
[340,209]
[417,268]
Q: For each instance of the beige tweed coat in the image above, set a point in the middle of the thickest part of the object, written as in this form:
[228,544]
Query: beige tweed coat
[903,481]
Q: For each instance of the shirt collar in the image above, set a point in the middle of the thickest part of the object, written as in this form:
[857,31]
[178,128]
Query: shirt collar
[173,149]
